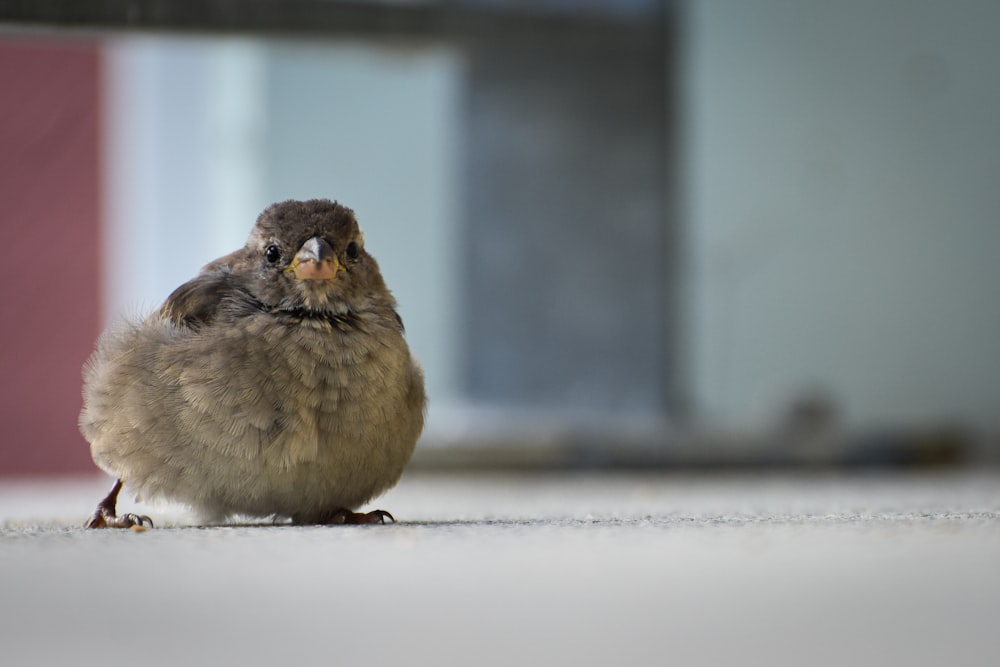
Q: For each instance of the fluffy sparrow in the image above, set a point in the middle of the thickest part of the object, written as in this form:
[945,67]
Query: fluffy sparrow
[276,383]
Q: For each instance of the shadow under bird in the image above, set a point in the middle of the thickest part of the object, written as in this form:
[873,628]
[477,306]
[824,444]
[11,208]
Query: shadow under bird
[276,383]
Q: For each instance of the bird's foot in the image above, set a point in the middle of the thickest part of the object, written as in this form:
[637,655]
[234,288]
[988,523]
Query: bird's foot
[346,516]
[103,519]
[105,516]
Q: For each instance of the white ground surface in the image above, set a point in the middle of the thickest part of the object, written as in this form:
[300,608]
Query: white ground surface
[523,570]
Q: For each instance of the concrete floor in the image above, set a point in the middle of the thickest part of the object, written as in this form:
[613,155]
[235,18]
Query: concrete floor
[674,569]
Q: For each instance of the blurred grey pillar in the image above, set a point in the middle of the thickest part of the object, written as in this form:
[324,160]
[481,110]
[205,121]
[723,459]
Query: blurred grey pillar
[568,223]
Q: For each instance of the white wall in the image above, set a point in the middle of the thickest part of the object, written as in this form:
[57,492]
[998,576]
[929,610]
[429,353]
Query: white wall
[842,196]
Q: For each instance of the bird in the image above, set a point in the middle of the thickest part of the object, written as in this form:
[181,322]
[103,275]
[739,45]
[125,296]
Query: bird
[277,383]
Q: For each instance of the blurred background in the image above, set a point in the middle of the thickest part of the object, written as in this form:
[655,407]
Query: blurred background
[622,234]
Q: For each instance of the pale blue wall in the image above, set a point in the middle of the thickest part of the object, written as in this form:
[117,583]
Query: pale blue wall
[842,206]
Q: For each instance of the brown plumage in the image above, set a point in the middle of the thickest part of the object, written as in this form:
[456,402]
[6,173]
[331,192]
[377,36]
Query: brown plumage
[275,383]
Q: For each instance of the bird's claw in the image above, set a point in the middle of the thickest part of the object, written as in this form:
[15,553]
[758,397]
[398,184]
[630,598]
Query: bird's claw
[345,516]
[105,516]
[102,519]
[379,516]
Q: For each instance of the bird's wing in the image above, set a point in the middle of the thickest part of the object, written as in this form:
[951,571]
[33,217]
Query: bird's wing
[196,302]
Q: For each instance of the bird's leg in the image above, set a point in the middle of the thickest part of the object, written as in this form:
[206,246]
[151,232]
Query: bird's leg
[346,516]
[105,516]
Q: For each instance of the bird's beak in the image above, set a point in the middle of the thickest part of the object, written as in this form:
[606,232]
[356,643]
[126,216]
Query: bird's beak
[315,260]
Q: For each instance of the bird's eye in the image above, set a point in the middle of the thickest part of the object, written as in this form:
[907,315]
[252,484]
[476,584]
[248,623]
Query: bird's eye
[352,250]
[272,253]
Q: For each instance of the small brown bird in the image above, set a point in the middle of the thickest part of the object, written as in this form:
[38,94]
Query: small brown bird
[277,383]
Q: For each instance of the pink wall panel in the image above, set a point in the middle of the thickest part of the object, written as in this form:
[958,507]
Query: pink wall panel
[49,240]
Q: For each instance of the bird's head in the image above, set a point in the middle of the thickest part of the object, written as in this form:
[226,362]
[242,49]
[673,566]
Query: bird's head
[310,255]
